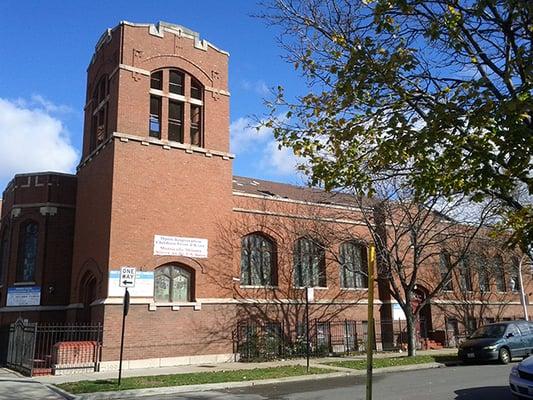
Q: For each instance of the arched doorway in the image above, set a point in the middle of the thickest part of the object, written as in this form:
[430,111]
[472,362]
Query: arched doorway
[87,296]
[425,325]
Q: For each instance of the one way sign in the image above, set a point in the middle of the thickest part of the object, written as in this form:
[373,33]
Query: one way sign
[127,277]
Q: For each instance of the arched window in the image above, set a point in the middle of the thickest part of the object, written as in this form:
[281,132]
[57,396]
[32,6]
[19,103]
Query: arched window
[445,264]
[3,255]
[499,274]
[514,278]
[172,284]
[465,274]
[154,124]
[258,260]
[353,265]
[182,95]
[27,253]
[99,112]
[309,263]
[483,274]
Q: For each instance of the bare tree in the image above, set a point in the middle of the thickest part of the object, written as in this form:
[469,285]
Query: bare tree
[411,237]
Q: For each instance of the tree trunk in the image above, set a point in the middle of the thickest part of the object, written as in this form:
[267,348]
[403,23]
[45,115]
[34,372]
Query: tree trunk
[411,335]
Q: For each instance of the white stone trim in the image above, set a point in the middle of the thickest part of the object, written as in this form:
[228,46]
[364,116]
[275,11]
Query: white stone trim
[176,145]
[221,92]
[51,205]
[307,203]
[39,308]
[144,140]
[296,216]
[137,70]
[161,27]
[169,361]
[211,301]
[476,302]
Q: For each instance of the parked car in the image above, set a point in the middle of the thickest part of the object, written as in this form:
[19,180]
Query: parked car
[521,379]
[501,341]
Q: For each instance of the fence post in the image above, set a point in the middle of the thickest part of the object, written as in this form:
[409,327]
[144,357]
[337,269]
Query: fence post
[32,352]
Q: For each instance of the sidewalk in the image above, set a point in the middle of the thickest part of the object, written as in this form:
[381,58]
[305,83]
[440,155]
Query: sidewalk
[13,386]
[184,369]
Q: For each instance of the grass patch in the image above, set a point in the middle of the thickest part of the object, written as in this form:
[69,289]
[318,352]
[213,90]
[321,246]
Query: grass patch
[393,361]
[142,382]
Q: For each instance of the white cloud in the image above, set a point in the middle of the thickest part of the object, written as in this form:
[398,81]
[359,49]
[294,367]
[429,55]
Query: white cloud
[281,161]
[32,140]
[261,145]
[258,87]
[36,101]
[50,107]
[244,135]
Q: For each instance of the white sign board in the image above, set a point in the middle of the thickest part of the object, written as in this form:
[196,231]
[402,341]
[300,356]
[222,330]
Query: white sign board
[23,296]
[127,277]
[310,294]
[144,285]
[397,312]
[180,246]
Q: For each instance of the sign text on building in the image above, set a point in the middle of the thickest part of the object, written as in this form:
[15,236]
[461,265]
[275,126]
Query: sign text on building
[180,246]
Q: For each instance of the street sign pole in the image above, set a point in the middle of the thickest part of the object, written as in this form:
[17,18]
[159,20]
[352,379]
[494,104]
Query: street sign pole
[124,313]
[370,330]
[127,280]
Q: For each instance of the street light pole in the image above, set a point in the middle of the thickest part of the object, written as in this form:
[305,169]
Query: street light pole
[521,283]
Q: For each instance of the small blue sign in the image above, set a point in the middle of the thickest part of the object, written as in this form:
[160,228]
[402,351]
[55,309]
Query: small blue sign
[23,296]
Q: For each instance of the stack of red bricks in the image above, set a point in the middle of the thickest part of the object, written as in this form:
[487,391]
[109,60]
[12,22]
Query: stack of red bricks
[74,355]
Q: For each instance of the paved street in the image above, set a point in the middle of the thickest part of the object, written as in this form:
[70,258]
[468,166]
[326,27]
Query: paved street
[475,382]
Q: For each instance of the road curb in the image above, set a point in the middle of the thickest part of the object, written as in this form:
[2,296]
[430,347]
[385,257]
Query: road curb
[128,394]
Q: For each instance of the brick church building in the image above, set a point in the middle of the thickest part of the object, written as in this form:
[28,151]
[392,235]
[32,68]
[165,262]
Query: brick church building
[154,190]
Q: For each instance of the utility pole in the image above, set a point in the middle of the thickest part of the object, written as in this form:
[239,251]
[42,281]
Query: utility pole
[370,338]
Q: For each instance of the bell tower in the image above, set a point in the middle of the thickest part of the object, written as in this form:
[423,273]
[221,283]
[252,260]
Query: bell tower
[155,156]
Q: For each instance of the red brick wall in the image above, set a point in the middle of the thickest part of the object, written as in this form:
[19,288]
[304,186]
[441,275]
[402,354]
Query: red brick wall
[93,216]
[26,195]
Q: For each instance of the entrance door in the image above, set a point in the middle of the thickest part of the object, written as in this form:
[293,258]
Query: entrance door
[88,295]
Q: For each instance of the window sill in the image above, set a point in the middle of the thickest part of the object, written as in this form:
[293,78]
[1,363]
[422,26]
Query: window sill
[180,304]
[176,306]
[354,289]
[258,287]
[311,287]
[24,284]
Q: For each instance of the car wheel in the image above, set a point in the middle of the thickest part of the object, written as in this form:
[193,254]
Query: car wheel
[504,356]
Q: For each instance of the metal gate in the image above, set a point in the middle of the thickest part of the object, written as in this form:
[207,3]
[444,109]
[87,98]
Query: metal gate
[21,346]
[46,348]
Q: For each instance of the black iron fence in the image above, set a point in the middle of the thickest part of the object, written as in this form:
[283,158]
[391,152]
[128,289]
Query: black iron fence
[265,340]
[46,348]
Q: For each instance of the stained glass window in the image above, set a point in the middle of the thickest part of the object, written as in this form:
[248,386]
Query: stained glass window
[27,257]
[257,260]
[309,263]
[172,284]
[353,265]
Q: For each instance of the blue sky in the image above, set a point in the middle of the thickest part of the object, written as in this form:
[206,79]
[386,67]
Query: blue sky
[45,50]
